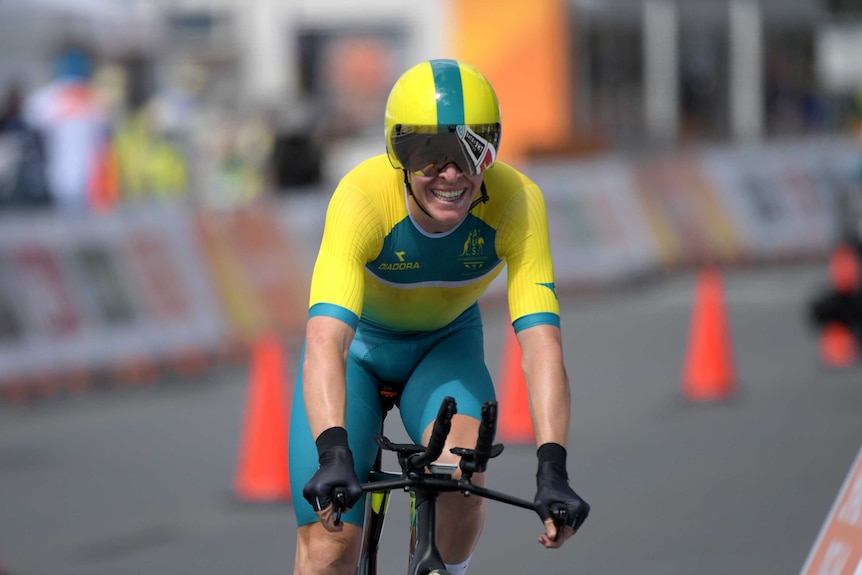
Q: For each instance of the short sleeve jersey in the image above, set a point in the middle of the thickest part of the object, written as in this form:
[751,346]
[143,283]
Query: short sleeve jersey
[378,266]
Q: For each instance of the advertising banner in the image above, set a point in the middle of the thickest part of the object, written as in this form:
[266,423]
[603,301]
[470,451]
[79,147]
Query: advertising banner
[95,292]
[838,549]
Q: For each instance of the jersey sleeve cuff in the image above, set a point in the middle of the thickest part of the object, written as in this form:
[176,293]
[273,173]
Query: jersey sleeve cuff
[534,319]
[335,311]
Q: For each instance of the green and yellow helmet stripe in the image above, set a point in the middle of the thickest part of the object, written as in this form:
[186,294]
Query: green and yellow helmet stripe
[450,91]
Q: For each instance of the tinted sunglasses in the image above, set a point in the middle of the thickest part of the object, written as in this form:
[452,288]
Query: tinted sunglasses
[427,153]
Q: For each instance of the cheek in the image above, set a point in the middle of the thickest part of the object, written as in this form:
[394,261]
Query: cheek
[476,181]
[418,183]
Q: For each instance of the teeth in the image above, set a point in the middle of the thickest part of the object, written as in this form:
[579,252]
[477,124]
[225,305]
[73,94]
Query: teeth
[449,195]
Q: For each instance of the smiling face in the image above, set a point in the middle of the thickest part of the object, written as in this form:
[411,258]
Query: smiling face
[439,203]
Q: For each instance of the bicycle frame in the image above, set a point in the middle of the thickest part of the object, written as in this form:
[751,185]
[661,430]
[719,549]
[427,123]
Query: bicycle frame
[423,556]
[425,481]
[377,506]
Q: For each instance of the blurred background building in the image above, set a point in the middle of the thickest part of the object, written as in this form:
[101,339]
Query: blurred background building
[304,82]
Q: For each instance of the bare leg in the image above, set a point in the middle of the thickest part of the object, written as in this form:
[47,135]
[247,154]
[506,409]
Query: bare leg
[319,552]
[459,519]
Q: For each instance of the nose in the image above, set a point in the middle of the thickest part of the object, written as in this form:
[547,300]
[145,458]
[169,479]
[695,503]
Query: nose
[450,171]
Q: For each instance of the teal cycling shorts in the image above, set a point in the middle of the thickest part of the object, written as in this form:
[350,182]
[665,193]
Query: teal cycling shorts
[430,366]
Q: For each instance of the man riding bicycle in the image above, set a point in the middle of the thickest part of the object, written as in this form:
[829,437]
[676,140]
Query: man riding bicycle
[412,239]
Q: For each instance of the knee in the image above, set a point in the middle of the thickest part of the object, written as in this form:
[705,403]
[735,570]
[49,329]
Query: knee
[319,551]
[465,505]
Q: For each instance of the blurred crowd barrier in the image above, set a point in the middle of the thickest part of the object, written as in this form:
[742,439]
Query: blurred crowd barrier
[161,283]
[135,292]
[612,219]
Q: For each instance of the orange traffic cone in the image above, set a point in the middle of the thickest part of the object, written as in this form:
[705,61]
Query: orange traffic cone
[844,269]
[709,373]
[263,474]
[837,346]
[514,424]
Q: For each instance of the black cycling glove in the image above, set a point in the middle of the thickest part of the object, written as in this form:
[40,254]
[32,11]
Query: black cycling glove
[554,493]
[336,470]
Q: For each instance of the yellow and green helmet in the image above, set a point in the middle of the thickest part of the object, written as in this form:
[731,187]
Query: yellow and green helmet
[441,112]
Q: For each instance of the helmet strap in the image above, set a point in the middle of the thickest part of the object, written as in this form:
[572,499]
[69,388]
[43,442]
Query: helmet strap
[483,197]
[415,199]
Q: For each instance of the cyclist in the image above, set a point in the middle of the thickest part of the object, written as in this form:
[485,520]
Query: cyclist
[412,238]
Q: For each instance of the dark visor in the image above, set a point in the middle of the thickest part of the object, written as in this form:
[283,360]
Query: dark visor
[425,150]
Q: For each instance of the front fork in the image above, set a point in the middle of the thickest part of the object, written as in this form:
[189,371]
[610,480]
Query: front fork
[424,555]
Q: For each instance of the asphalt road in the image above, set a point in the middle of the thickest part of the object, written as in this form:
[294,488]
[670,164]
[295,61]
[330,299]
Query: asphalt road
[139,480]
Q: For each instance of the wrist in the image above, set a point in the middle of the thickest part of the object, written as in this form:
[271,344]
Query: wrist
[332,437]
[551,453]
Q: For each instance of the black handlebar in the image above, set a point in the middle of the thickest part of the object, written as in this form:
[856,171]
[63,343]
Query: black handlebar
[414,459]
[487,429]
[439,433]
[476,460]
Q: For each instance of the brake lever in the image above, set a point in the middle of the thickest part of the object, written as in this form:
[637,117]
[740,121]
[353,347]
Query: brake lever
[560,517]
[339,503]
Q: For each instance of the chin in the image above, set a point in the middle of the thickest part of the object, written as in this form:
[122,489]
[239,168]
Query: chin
[450,211]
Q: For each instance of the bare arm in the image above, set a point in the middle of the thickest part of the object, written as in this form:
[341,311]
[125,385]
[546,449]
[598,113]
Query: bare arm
[547,382]
[323,374]
[550,405]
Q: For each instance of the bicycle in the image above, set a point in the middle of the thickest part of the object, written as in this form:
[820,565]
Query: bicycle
[425,480]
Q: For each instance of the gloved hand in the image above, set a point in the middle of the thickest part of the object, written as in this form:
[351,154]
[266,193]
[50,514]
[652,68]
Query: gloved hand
[553,493]
[336,470]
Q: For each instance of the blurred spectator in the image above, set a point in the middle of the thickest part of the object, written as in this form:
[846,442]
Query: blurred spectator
[76,127]
[22,156]
[235,153]
[296,158]
[296,161]
[150,163]
[176,111]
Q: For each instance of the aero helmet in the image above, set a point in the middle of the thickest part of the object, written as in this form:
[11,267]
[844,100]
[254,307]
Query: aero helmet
[441,112]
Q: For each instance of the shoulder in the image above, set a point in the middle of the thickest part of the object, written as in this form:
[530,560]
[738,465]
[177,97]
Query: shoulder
[39,101]
[374,173]
[374,178]
[373,184]
[509,181]
[510,191]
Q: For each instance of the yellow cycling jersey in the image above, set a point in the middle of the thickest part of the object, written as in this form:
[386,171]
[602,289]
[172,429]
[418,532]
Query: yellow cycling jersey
[376,265]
